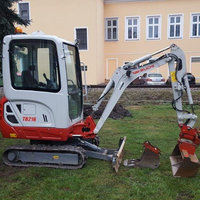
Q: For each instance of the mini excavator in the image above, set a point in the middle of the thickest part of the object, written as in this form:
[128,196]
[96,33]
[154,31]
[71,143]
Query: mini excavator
[43,103]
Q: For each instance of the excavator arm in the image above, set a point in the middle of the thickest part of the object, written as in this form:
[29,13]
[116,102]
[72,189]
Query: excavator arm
[126,74]
[183,159]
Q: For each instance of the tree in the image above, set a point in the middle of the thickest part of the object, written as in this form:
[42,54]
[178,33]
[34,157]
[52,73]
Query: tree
[8,19]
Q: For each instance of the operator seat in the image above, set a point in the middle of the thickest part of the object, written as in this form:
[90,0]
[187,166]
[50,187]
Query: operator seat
[28,79]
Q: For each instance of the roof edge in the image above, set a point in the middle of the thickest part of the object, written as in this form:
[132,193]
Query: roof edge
[120,1]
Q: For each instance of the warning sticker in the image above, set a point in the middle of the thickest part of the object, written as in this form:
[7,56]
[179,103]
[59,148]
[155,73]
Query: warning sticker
[13,135]
[173,77]
[56,157]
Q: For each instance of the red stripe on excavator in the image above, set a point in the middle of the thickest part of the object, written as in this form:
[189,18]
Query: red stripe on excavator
[143,69]
[83,129]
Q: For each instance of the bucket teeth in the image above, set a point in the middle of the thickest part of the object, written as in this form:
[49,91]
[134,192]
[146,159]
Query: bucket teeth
[149,159]
[183,163]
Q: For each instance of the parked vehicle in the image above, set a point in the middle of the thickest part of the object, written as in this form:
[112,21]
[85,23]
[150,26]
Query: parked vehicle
[191,79]
[139,81]
[154,79]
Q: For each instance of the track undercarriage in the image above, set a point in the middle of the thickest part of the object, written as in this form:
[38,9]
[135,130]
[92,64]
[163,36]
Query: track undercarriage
[66,156]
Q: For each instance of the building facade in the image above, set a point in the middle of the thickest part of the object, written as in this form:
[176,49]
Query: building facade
[112,32]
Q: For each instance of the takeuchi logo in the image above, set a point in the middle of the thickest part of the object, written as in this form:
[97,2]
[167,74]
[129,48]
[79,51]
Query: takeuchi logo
[143,69]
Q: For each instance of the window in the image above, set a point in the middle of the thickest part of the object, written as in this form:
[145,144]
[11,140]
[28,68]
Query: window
[81,36]
[175,26]
[195,25]
[153,27]
[73,76]
[132,28]
[34,65]
[195,59]
[111,29]
[24,10]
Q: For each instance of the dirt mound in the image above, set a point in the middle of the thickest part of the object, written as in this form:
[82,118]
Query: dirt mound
[117,113]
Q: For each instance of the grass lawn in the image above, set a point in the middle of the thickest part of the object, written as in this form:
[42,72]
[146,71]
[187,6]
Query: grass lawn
[97,180]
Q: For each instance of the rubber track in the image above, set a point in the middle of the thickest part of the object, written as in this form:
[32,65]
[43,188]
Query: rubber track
[45,148]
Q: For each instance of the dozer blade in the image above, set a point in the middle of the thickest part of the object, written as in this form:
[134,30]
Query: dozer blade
[113,155]
[183,164]
[149,159]
[117,158]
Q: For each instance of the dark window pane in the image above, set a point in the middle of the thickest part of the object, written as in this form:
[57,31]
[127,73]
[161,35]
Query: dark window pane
[155,31]
[196,59]
[171,30]
[129,21]
[178,31]
[150,20]
[114,33]
[194,18]
[81,35]
[108,23]
[156,20]
[135,22]
[171,19]
[194,30]
[178,19]
[150,31]
[24,11]
[114,22]
[109,34]
[129,33]
[135,32]
[199,30]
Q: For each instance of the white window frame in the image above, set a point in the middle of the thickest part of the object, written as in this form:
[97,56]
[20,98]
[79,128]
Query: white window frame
[191,25]
[175,23]
[87,37]
[191,57]
[132,26]
[159,27]
[29,8]
[197,78]
[117,28]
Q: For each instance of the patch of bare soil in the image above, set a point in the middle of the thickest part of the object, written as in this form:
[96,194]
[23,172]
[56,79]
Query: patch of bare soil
[6,171]
[118,112]
[184,196]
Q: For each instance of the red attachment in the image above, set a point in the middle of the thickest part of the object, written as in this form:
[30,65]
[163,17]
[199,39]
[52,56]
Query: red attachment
[189,133]
[188,140]
[149,146]
[82,129]
[189,148]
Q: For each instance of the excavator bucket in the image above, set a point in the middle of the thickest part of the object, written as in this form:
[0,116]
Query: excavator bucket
[184,164]
[149,159]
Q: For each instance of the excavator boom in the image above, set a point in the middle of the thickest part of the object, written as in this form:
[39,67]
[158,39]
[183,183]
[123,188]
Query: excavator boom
[183,159]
